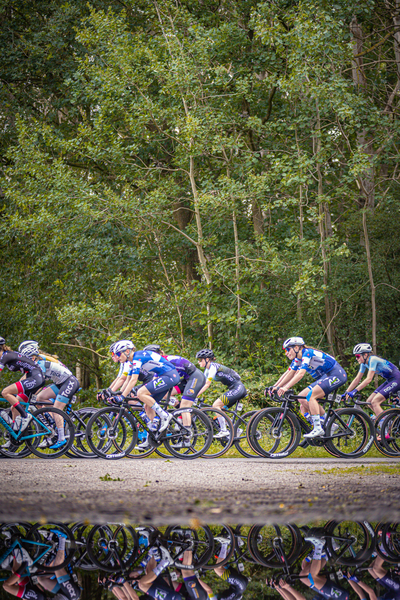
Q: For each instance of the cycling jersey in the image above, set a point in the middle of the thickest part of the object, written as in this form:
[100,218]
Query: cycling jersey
[392,584]
[224,375]
[332,591]
[14,361]
[144,376]
[237,584]
[55,371]
[315,362]
[150,361]
[184,367]
[382,367]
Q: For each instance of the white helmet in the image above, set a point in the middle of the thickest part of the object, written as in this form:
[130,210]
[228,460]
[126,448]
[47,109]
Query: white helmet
[29,348]
[293,341]
[123,345]
[361,348]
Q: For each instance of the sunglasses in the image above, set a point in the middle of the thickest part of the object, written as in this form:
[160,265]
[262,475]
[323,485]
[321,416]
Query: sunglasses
[358,355]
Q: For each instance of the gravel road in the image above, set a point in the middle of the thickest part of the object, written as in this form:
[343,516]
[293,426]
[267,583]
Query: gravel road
[167,491]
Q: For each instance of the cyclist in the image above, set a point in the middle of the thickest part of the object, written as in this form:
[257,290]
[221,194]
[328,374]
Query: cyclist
[31,381]
[22,587]
[228,377]
[60,393]
[374,365]
[191,382]
[326,371]
[310,574]
[60,582]
[150,393]
[381,575]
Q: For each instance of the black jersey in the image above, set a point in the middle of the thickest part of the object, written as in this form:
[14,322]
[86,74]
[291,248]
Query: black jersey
[14,361]
[223,374]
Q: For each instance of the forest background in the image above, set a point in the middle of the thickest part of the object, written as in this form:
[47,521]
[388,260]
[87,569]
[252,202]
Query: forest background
[197,173]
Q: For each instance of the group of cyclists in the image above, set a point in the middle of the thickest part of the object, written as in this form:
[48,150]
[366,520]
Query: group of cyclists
[148,375]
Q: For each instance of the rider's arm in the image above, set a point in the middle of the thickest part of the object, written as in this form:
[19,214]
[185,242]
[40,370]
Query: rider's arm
[285,378]
[366,381]
[298,375]
[117,383]
[209,373]
[355,382]
[361,589]
[129,384]
[205,387]
[130,592]
[288,592]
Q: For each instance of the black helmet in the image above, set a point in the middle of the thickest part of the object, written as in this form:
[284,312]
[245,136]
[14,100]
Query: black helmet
[206,353]
[153,348]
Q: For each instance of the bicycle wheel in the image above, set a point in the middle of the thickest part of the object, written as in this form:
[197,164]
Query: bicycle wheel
[122,433]
[11,448]
[390,433]
[350,542]
[112,547]
[181,538]
[81,559]
[270,437]
[184,446]
[389,542]
[351,432]
[42,541]
[239,435]
[220,423]
[275,546]
[80,447]
[223,535]
[43,427]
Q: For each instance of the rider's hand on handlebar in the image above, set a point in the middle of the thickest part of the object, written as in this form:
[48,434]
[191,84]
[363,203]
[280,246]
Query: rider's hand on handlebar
[352,393]
[281,391]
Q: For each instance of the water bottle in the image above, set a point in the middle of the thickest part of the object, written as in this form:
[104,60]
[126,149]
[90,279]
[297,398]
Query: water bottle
[239,407]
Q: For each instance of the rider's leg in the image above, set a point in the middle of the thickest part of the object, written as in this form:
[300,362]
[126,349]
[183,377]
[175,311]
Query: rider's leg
[375,400]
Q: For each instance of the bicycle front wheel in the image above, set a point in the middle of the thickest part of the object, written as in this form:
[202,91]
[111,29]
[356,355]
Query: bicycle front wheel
[390,433]
[275,546]
[222,427]
[80,447]
[272,435]
[239,435]
[351,433]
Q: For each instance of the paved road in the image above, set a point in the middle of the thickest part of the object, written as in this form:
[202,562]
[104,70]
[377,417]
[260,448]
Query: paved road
[167,491]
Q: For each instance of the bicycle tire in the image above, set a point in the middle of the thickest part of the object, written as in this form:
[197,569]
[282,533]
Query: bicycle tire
[41,414]
[261,543]
[226,532]
[112,550]
[350,542]
[218,447]
[202,434]
[239,435]
[390,433]
[265,442]
[354,434]
[176,537]
[123,439]
[39,532]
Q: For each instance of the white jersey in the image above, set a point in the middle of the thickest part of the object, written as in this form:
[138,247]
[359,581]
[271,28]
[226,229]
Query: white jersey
[55,371]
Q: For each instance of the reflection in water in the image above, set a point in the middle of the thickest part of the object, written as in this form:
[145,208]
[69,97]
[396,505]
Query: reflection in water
[338,560]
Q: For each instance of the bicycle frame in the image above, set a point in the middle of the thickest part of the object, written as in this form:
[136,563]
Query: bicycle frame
[18,544]
[15,435]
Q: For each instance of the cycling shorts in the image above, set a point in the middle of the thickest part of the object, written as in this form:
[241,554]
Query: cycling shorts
[30,385]
[392,584]
[331,381]
[235,393]
[391,385]
[191,387]
[67,388]
[160,589]
[28,591]
[162,384]
[194,588]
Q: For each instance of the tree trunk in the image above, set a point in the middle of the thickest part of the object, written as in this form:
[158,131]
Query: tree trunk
[237,274]
[371,278]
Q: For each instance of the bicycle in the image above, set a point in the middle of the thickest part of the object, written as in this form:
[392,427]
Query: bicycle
[126,420]
[41,426]
[275,432]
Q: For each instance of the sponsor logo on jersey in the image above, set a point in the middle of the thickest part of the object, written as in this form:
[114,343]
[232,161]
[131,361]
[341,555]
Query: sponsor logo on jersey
[334,380]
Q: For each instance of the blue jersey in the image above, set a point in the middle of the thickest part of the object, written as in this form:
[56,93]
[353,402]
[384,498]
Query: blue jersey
[151,362]
[382,367]
[315,362]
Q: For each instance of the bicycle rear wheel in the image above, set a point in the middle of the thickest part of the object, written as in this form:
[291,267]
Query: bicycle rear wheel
[200,539]
[10,448]
[43,542]
[43,427]
[350,542]
[115,441]
[390,433]
[219,446]
[199,439]
[80,447]
[275,546]
[239,435]
[271,437]
[112,548]
[351,432]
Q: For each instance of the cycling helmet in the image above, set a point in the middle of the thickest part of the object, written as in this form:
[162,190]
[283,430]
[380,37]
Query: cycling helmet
[206,353]
[361,348]
[293,341]
[111,349]
[153,348]
[29,348]
[2,341]
[123,345]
